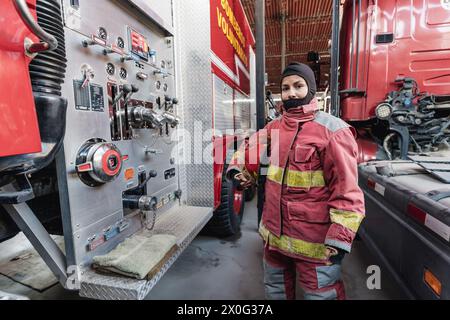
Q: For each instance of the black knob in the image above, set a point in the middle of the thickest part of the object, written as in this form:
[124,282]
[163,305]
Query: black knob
[175,101]
[126,88]
[134,89]
[167,98]
[152,173]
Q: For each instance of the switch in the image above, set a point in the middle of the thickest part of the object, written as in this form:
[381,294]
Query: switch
[75,4]
[142,76]
[152,55]
[126,58]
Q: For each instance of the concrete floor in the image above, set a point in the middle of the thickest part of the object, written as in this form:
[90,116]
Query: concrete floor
[214,269]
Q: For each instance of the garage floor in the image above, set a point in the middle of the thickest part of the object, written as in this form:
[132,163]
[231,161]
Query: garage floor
[225,269]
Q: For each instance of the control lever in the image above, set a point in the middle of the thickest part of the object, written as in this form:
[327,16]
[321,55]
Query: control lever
[127,91]
[151,174]
[169,103]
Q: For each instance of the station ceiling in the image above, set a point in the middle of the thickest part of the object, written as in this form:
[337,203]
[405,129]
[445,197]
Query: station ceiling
[308,28]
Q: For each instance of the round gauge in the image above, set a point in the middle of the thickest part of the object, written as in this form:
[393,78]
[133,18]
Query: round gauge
[110,69]
[163,64]
[120,43]
[102,33]
[123,73]
[158,85]
[165,87]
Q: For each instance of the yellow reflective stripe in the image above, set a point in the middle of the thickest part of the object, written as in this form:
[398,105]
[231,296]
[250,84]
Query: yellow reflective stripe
[305,178]
[275,174]
[294,178]
[348,219]
[295,246]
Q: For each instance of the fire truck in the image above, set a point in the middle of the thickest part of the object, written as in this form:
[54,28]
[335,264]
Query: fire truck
[394,88]
[118,119]
[390,80]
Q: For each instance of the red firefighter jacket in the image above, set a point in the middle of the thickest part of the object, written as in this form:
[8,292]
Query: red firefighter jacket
[312,197]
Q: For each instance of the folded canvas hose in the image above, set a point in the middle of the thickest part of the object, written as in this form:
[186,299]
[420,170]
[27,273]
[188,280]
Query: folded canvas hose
[139,257]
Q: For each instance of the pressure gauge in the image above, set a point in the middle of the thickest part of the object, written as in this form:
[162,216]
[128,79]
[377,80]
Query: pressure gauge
[102,33]
[120,43]
[110,69]
[123,73]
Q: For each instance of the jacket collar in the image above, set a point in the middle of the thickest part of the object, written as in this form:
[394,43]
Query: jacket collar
[302,114]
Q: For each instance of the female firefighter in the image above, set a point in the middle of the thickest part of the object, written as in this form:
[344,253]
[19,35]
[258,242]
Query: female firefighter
[313,205]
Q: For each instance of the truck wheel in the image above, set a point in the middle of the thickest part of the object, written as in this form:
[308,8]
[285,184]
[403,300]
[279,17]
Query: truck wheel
[250,193]
[226,220]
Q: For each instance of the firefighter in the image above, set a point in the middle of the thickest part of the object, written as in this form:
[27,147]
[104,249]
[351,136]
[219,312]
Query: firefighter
[313,205]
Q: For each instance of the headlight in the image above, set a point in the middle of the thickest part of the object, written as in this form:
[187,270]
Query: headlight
[383,111]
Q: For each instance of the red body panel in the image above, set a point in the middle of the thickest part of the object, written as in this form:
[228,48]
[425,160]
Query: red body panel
[19,132]
[367,150]
[420,49]
[221,145]
[231,39]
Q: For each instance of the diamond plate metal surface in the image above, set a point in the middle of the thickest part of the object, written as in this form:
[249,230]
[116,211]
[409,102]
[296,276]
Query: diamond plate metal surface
[194,89]
[183,222]
[223,106]
[242,112]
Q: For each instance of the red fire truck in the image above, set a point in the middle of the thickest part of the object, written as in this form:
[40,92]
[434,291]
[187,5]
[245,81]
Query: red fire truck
[390,79]
[395,90]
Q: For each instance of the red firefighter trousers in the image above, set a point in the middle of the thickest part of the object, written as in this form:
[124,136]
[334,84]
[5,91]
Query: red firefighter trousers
[319,281]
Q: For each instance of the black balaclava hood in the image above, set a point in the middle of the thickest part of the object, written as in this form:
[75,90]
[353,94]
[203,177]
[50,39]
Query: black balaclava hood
[304,71]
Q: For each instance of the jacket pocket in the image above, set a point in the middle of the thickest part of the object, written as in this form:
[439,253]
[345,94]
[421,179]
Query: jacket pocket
[312,212]
[303,167]
[303,154]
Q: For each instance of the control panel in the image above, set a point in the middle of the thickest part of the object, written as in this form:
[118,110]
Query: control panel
[122,114]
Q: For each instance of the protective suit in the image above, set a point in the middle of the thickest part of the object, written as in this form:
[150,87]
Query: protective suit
[312,199]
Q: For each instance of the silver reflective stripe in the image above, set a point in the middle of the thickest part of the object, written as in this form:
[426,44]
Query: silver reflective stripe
[331,123]
[326,295]
[274,284]
[328,275]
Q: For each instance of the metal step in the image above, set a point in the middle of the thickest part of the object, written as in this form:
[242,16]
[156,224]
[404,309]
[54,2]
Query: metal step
[184,222]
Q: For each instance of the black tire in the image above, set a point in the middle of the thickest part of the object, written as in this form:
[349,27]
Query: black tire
[225,223]
[250,193]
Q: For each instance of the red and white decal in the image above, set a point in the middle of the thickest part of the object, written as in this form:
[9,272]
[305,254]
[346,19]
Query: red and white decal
[231,39]
[376,186]
[438,227]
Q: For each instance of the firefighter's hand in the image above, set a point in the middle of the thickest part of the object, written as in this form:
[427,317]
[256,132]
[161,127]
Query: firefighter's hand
[241,181]
[330,252]
[335,255]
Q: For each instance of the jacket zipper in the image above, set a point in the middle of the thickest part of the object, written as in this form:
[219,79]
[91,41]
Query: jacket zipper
[299,128]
